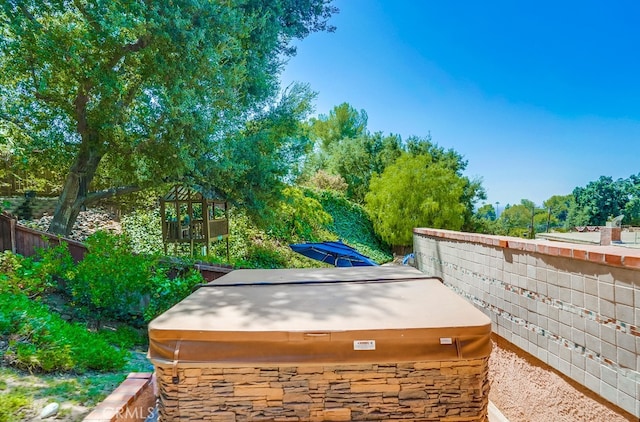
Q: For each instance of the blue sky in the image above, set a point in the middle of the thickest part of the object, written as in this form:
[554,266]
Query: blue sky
[539,97]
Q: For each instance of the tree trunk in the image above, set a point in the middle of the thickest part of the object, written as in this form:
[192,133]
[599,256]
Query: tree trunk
[74,193]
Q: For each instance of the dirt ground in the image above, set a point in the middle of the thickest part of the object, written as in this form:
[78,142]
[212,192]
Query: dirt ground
[525,389]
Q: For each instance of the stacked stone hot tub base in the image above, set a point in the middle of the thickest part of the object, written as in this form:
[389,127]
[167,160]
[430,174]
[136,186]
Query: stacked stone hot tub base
[418,391]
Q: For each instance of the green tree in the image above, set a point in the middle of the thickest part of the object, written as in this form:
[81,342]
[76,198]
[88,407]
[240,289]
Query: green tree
[473,190]
[358,159]
[516,219]
[251,166]
[149,89]
[599,201]
[558,207]
[415,191]
[487,212]
[343,121]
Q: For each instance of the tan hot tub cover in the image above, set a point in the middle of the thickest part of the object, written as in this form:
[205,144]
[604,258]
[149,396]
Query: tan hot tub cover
[311,316]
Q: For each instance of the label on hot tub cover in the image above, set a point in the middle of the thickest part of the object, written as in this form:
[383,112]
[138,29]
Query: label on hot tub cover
[364,345]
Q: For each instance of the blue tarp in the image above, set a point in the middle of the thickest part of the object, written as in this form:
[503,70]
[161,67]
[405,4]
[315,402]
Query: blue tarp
[334,253]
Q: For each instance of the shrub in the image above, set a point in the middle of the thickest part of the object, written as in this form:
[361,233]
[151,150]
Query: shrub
[144,231]
[167,292]
[41,341]
[13,405]
[124,337]
[266,257]
[111,281]
[38,275]
[298,216]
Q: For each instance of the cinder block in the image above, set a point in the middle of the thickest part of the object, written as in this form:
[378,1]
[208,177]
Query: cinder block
[592,327]
[626,341]
[578,360]
[564,280]
[624,313]
[609,376]
[578,322]
[606,308]
[593,367]
[627,385]
[541,286]
[627,359]
[577,374]
[543,322]
[565,317]
[564,367]
[624,295]
[577,298]
[592,343]
[565,354]
[606,291]
[577,282]
[552,277]
[577,336]
[628,403]
[592,383]
[590,285]
[553,361]
[608,392]
[591,302]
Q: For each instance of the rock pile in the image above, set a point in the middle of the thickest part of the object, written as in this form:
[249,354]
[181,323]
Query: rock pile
[87,223]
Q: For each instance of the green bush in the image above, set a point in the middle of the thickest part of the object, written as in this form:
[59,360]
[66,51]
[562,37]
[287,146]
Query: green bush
[298,217]
[167,292]
[124,337]
[39,340]
[111,281]
[38,275]
[144,231]
[13,405]
[266,257]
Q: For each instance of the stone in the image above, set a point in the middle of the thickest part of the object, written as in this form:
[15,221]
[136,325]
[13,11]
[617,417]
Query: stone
[49,410]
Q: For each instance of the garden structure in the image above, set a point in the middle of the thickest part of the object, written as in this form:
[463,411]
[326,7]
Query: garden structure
[191,217]
[329,344]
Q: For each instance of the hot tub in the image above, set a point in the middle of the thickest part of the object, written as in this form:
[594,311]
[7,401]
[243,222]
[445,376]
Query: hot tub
[366,343]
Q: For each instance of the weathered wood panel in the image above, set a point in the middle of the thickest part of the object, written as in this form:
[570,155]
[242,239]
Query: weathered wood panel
[25,241]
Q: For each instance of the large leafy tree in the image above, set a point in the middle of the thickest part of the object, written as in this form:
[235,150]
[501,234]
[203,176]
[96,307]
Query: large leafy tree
[558,207]
[343,121]
[358,159]
[415,191]
[600,200]
[141,91]
[327,131]
[453,160]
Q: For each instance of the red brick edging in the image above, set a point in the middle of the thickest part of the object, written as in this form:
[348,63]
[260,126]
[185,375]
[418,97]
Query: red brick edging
[131,401]
[610,255]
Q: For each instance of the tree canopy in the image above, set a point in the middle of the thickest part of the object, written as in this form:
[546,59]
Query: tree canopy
[605,198]
[139,93]
[415,191]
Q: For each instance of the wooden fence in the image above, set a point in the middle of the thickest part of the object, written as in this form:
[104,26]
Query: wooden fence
[25,241]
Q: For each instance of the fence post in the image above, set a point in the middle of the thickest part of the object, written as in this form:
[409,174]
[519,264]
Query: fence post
[12,234]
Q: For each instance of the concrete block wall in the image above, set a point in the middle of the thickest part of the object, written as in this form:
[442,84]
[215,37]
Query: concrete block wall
[575,307]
